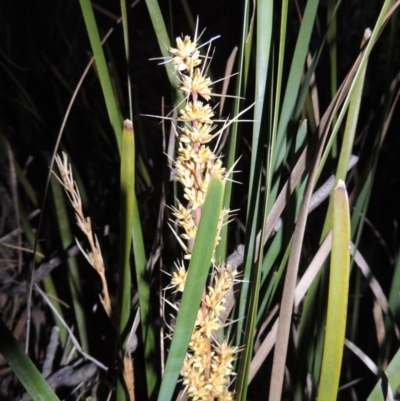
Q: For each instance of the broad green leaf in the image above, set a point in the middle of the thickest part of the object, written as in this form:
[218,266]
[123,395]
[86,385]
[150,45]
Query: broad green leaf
[337,297]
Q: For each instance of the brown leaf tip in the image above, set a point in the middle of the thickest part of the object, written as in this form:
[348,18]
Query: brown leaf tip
[128,125]
[340,185]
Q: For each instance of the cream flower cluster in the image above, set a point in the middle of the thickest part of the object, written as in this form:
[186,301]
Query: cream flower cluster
[208,366]
[195,163]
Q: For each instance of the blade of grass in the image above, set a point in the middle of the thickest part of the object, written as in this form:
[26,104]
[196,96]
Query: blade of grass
[393,374]
[143,289]
[162,37]
[102,69]
[124,16]
[331,39]
[358,70]
[246,36]
[249,293]
[127,200]
[293,81]
[267,279]
[337,297]
[23,367]
[347,143]
[285,314]
[195,283]
[146,313]
[332,48]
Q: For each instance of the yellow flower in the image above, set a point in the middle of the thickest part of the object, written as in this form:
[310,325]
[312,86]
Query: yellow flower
[196,85]
[199,134]
[186,55]
[181,213]
[179,278]
[197,111]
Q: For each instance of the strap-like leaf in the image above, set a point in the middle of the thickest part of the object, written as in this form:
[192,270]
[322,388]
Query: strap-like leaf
[23,367]
[338,296]
[195,283]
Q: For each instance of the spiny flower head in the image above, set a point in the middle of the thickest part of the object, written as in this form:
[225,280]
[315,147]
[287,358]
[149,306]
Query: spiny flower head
[208,366]
[201,133]
[179,278]
[197,111]
[186,55]
[197,84]
[196,163]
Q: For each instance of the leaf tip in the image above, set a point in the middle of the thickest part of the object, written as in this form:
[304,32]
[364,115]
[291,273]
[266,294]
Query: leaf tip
[128,125]
[340,185]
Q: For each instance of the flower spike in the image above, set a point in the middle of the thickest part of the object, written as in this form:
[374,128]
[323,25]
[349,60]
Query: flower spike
[208,366]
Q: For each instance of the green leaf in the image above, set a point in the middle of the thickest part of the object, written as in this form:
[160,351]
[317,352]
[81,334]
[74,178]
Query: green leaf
[393,374]
[23,367]
[125,279]
[194,287]
[104,75]
[162,37]
[230,158]
[249,294]
[294,81]
[337,297]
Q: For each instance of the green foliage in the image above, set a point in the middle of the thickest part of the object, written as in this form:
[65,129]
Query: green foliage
[23,367]
[339,277]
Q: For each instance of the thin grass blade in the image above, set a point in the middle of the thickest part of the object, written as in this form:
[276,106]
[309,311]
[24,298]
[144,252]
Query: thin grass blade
[294,80]
[124,15]
[383,389]
[102,69]
[125,276]
[23,367]
[220,254]
[249,293]
[162,37]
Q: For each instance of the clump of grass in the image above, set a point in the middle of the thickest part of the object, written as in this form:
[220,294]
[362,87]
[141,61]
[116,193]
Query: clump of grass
[289,115]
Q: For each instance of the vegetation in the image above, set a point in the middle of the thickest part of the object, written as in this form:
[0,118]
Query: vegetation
[153,124]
